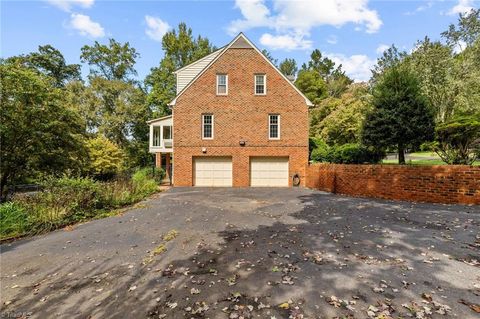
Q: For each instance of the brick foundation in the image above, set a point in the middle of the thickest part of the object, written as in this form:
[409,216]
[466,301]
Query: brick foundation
[447,184]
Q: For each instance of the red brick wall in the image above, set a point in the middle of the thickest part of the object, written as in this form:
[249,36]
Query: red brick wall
[240,115]
[438,184]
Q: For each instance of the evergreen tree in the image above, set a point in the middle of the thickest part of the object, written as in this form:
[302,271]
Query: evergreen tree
[401,117]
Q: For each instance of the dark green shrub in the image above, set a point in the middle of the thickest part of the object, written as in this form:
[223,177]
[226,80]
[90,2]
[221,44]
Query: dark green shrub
[355,154]
[158,174]
[347,154]
[321,152]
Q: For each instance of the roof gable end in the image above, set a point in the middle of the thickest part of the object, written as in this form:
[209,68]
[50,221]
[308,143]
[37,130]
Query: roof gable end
[239,42]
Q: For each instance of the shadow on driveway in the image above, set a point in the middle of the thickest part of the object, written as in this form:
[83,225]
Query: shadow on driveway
[284,253]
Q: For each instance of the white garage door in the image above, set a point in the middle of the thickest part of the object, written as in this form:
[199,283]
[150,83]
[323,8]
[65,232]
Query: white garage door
[213,171]
[269,171]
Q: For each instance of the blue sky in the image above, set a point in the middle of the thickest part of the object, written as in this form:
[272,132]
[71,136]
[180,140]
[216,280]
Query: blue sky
[351,32]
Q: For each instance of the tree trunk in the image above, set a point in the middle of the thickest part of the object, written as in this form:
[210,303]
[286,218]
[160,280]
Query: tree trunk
[401,154]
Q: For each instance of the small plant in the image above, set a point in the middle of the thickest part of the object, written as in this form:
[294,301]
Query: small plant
[160,249]
[172,234]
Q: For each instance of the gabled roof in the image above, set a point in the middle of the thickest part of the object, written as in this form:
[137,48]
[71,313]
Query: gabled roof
[240,41]
[159,119]
[199,60]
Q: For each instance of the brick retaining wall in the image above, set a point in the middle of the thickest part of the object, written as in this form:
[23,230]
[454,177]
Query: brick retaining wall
[438,184]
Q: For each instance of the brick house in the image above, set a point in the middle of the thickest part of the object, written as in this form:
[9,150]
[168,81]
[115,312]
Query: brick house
[236,121]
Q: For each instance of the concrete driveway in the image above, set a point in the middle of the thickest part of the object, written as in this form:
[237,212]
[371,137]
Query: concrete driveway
[252,253]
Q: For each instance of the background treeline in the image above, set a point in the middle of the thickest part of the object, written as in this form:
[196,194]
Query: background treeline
[54,122]
[426,99]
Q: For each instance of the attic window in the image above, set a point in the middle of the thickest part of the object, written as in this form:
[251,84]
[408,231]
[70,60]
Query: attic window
[222,84]
[260,84]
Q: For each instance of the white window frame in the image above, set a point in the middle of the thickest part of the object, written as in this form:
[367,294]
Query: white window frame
[226,83]
[159,136]
[203,126]
[270,127]
[264,84]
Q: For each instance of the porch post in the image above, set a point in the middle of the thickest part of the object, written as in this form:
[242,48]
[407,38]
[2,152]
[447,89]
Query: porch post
[167,166]
[158,160]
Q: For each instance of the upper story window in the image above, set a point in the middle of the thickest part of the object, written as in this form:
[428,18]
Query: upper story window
[222,84]
[156,136]
[167,132]
[274,126]
[260,84]
[207,126]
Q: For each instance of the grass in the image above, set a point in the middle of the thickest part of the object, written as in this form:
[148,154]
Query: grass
[422,158]
[66,201]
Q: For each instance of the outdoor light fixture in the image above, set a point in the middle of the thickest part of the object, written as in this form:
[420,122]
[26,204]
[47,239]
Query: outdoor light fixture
[242,143]
[204,150]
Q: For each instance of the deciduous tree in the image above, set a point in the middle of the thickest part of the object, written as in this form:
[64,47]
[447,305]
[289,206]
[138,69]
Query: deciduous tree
[114,61]
[181,48]
[39,134]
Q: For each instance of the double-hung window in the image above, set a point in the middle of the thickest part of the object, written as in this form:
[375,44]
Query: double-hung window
[207,126]
[222,84]
[260,84]
[274,126]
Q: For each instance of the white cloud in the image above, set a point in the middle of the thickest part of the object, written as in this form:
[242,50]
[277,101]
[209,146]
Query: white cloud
[382,48]
[66,5]
[295,19]
[302,16]
[285,42]
[420,8]
[356,66]
[463,6]
[332,39]
[85,26]
[255,14]
[156,28]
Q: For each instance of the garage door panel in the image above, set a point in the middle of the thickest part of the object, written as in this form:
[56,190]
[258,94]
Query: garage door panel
[269,171]
[213,171]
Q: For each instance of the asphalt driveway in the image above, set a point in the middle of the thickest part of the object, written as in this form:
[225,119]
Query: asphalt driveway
[252,253]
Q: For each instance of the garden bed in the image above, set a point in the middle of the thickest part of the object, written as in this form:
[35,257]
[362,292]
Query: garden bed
[66,201]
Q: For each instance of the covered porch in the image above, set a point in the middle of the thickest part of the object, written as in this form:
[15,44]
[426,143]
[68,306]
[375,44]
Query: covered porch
[161,144]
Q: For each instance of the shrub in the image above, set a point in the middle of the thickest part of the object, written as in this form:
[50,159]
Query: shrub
[321,152]
[13,220]
[355,154]
[106,158]
[143,182]
[61,201]
[347,154]
[458,140]
[126,191]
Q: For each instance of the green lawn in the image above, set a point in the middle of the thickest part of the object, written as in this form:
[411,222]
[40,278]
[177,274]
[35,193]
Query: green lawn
[422,158]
